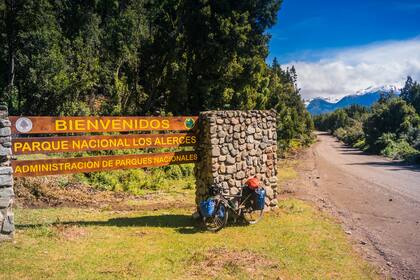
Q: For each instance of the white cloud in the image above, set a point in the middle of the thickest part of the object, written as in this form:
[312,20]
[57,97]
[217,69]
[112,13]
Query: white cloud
[345,71]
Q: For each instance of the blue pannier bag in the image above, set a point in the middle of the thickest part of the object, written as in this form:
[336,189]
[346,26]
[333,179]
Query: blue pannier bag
[207,207]
[221,211]
[260,199]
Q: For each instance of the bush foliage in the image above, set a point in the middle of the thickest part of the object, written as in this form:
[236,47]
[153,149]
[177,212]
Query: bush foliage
[391,127]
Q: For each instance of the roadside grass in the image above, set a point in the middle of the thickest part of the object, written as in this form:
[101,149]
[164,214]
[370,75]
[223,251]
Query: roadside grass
[294,242]
[287,170]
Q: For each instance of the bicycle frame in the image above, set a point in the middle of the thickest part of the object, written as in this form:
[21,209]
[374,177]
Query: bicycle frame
[229,204]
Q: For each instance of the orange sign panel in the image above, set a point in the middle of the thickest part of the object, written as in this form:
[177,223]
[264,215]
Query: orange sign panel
[45,145]
[23,168]
[33,125]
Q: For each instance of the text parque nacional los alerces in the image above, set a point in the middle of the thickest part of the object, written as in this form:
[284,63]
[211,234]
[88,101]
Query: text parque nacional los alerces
[81,143]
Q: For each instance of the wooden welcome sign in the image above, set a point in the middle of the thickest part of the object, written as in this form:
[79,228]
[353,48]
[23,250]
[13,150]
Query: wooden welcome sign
[82,143]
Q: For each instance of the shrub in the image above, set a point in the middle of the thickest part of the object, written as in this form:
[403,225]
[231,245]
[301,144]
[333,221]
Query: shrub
[396,148]
[136,181]
[340,133]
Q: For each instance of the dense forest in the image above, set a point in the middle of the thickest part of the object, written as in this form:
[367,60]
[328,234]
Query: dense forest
[391,127]
[145,57]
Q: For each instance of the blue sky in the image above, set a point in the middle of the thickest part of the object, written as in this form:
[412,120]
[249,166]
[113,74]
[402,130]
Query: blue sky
[318,32]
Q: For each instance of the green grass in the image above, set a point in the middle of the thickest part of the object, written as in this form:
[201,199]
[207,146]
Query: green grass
[295,242]
[287,171]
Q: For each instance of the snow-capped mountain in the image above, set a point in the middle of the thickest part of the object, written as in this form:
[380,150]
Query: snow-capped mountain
[365,97]
[387,88]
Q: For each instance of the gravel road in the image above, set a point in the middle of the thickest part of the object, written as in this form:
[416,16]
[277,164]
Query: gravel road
[378,199]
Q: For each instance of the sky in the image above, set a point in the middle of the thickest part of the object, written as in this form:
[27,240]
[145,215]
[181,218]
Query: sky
[339,47]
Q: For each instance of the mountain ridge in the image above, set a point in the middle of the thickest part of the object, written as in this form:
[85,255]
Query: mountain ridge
[365,97]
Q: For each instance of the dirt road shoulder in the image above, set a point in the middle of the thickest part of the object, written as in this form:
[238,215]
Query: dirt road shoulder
[382,225]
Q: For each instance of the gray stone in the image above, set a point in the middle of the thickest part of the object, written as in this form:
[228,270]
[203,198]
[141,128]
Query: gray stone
[230,160]
[8,225]
[6,170]
[231,169]
[250,139]
[5,180]
[240,175]
[234,152]
[269,192]
[7,144]
[224,150]
[264,158]
[231,182]
[6,139]
[234,190]
[5,151]
[5,123]
[258,136]
[250,130]
[235,144]
[221,134]
[214,141]
[5,202]
[215,152]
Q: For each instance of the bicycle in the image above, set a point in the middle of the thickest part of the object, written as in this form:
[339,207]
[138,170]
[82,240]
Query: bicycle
[242,205]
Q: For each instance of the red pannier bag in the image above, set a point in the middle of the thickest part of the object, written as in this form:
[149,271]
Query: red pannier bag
[253,183]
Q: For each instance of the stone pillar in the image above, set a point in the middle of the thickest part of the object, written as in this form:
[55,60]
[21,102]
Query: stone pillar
[234,146]
[7,227]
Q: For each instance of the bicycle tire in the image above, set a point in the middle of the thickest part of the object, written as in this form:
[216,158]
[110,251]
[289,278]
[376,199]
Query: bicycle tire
[217,221]
[252,216]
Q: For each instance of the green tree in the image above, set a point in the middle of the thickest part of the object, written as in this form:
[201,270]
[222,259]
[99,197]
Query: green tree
[411,93]
[395,116]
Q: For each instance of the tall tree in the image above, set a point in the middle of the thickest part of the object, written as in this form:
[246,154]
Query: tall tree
[411,93]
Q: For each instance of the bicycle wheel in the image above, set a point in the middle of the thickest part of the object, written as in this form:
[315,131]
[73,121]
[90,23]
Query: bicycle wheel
[252,216]
[219,219]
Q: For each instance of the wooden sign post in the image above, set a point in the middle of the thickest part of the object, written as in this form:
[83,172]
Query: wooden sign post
[86,143]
